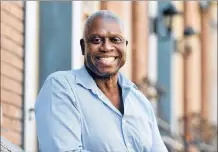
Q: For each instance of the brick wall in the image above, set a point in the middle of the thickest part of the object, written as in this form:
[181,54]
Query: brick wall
[12,55]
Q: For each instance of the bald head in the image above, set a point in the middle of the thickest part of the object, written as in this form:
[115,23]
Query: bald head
[103,14]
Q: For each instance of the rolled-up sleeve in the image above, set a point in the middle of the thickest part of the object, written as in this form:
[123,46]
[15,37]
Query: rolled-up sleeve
[58,120]
[157,143]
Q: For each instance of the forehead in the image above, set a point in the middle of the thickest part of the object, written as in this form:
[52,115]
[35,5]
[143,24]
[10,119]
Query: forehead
[105,26]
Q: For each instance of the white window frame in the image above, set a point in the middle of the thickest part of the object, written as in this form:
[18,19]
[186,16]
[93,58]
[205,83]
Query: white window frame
[76,34]
[30,74]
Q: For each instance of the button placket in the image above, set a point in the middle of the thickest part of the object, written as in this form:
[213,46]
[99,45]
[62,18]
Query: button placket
[124,128]
[125,135]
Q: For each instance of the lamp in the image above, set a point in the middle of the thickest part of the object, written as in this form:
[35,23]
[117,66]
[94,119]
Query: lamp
[205,4]
[189,31]
[182,45]
[169,11]
[152,90]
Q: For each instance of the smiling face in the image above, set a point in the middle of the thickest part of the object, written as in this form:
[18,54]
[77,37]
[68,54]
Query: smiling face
[104,47]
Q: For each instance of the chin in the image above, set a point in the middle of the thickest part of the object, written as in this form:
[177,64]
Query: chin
[109,72]
[106,75]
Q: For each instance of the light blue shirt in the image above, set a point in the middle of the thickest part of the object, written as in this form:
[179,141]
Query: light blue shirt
[73,115]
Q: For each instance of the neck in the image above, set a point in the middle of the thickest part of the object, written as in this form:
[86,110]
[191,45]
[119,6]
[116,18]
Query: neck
[108,85]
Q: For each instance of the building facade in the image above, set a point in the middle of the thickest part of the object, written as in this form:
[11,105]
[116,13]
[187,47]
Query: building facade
[175,71]
[12,70]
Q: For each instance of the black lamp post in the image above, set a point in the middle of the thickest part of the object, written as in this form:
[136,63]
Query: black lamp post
[152,90]
[205,4]
[189,31]
[182,46]
[169,11]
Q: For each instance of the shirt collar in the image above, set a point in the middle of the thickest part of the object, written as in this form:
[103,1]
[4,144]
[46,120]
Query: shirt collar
[125,83]
[83,78]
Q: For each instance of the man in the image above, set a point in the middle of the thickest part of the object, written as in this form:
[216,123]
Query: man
[95,108]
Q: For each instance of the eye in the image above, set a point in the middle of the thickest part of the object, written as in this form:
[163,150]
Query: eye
[96,40]
[116,40]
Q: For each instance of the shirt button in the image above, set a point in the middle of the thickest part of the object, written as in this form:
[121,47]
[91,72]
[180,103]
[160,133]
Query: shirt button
[124,121]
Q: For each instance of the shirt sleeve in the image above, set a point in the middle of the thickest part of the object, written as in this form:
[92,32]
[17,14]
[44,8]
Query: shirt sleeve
[157,142]
[58,120]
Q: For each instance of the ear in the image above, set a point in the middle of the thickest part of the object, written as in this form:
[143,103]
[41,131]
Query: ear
[127,42]
[82,45]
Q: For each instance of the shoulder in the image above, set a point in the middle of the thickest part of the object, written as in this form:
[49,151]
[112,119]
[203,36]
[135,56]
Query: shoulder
[126,83]
[66,78]
[58,85]
[61,75]
[144,103]
[136,95]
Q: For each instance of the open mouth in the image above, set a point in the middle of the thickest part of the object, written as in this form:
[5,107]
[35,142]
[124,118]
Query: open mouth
[106,60]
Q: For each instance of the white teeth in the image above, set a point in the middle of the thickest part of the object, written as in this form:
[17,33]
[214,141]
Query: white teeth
[107,60]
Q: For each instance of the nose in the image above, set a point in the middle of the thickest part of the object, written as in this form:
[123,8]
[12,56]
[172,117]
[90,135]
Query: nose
[107,46]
